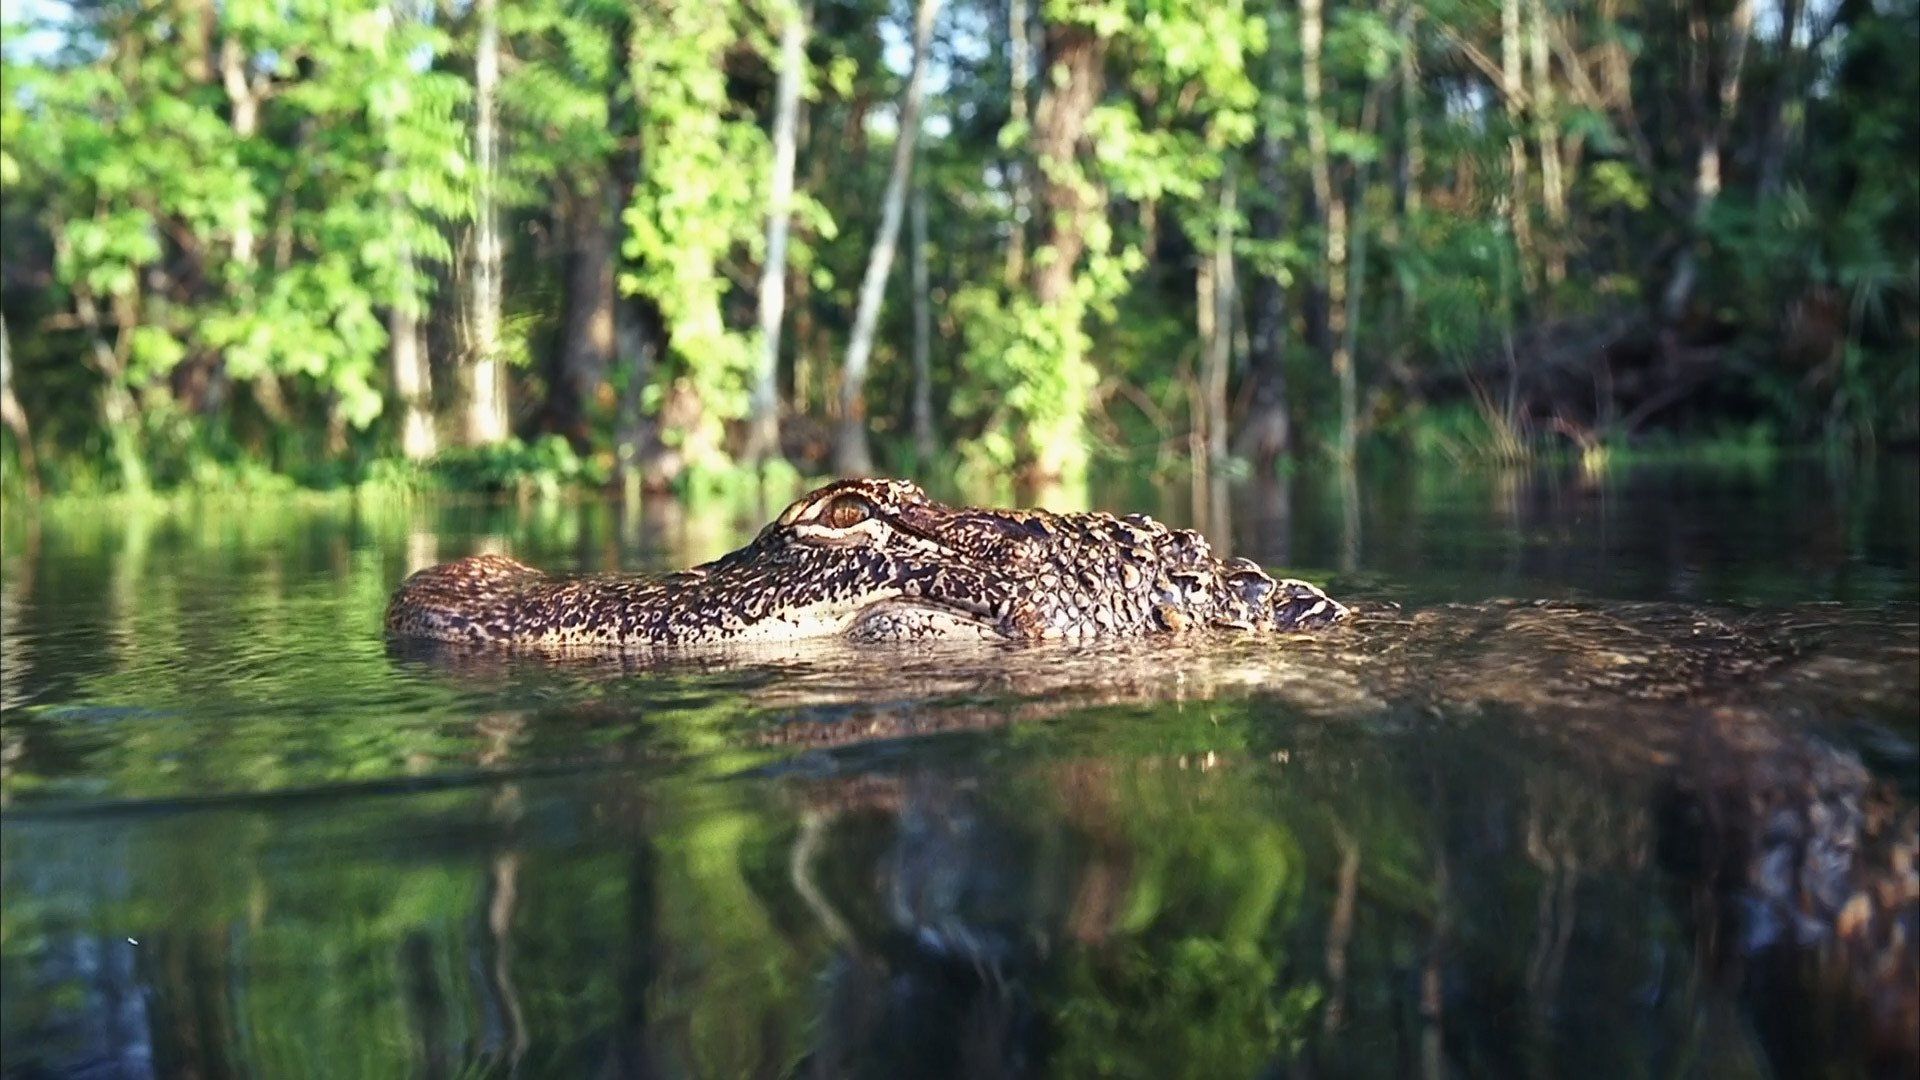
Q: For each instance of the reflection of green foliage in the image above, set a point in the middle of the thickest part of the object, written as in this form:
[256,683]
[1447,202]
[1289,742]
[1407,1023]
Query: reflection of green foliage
[1188,984]
[1188,1007]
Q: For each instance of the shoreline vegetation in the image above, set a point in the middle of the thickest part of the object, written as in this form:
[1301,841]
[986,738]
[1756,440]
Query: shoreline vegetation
[548,473]
[561,245]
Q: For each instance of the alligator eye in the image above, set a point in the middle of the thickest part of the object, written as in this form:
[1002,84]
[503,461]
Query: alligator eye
[845,512]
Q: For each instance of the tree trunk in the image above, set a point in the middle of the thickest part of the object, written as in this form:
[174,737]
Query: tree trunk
[587,347]
[1266,432]
[15,418]
[1020,75]
[923,435]
[1412,140]
[119,415]
[639,334]
[1513,92]
[763,420]
[636,450]
[406,345]
[244,98]
[1706,173]
[412,379]
[1334,208]
[1073,88]
[1051,444]
[852,457]
[1546,137]
[1775,138]
[486,379]
[1219,340]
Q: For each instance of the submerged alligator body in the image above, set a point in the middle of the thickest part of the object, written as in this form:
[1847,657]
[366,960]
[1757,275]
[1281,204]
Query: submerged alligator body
[876,560]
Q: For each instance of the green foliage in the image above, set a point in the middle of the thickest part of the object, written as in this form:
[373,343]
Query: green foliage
[544,467]
[696,207]
[216,216]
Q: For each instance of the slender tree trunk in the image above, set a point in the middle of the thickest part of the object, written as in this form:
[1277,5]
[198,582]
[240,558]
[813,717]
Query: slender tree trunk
[486,379]
[1513,92]
[1546,137]
[637,330]
[1020,73]
[1409,172]
[1334,208]
[406,345]
[1219,342]
[639,333]
[1266,432]
[1706,175]
[244,97]
[852,457]
[1073,88]
[15,417]
[1413,157]
[763,421]
[118,413]
[412,378]
[1775,137]
[243,103]
[587,345]
[923,435]
[411,383]
[1051,443]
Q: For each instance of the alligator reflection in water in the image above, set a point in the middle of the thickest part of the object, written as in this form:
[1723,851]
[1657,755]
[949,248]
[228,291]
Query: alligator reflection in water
[1793,864]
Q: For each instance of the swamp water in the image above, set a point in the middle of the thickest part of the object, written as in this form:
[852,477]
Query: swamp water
[242,835]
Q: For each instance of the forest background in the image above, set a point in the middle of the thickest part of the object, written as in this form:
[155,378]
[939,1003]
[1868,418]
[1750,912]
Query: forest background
[661,245]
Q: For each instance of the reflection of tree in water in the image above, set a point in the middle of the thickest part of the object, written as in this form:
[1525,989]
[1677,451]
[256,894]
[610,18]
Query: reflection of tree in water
[973,939]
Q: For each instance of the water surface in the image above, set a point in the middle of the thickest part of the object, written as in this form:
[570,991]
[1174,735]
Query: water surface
[245,836]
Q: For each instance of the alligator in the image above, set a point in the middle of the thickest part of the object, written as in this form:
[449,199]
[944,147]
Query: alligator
[875,561]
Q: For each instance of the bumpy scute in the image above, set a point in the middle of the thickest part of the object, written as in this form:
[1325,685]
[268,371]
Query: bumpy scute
[877,560]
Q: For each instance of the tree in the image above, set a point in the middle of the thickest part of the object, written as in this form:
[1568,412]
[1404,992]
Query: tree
[763,421]
[1265,434]
[15,418]
[852,456]
[1332,205]
[486,420]
[1053,439]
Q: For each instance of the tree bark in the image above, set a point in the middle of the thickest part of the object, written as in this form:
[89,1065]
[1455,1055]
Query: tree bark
[1333,206]
[1020,77]
[587,345]
[1513,93]
[1775,138]
[923,435]
[763,420]
[1219,342]
[1413,156]
[486,379]
[15,417]
[852,456]
[1073,88]
[1076,77]
[406,344]
[245,95]
[1706,174]
[1265,434]
[1553,193]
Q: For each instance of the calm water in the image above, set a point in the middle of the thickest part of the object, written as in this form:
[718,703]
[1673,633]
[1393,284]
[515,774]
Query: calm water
[243,836]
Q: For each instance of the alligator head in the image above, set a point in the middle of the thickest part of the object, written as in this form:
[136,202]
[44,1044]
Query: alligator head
[876,560]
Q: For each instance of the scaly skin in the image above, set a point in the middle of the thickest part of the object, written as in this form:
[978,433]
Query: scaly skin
[876,560]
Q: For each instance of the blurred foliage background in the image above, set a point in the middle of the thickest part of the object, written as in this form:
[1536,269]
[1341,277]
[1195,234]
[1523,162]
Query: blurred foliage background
[586,242]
